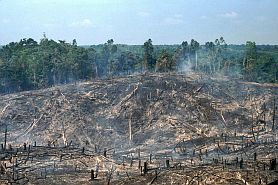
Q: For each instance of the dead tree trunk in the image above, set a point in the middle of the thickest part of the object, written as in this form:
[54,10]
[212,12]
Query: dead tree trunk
[273,118]
[92,175]
[5,141]
[272,164]
[130,130]
[167,163]
[145,168]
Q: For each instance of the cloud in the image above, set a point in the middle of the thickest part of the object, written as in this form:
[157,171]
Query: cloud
[173,20]
[143,14]
[85,23]
[231,14]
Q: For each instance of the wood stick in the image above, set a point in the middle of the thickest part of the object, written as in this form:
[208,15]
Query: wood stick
[273,118]
[5,141]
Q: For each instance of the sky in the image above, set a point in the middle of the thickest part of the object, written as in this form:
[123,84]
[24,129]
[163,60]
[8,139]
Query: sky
[134,21]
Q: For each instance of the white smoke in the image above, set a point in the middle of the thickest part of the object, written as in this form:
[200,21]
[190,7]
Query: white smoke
[185,66]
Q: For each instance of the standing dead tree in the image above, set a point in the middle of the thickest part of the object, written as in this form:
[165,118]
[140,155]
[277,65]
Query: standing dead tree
[273,117]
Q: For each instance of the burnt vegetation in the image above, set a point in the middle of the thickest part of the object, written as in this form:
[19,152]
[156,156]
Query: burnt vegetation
[119,114]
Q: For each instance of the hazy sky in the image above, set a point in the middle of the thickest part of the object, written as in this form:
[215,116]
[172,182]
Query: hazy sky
[134,21]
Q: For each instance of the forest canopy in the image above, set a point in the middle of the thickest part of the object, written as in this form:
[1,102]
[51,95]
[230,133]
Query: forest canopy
[29,64]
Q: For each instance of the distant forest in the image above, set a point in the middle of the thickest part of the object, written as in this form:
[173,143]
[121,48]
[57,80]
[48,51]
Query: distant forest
[29,65]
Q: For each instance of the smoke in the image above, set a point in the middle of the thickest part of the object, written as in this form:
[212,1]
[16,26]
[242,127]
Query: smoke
[185,66]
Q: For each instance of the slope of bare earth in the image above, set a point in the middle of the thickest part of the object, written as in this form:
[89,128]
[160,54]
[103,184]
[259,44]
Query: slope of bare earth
[185,129]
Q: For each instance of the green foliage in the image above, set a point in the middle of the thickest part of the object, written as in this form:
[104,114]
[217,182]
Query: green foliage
[250,60]
[149,62]
[265,69]
[29,64]
[165,62]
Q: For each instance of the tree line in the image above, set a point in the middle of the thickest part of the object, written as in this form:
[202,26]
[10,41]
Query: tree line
[28,64]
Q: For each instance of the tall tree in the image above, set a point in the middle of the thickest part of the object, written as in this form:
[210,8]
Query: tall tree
[108,51]
[149,62]
[92,57]
[194,47]
[184,50]
[220,48]
[210,47]
[250,59]
[182,56]
[165,62]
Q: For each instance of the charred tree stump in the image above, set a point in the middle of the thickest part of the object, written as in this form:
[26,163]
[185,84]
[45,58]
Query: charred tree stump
[272,164]
[123,160]
[131,161]
[10,147]
[139,164]
[92,175]
[45,173]
[105,153]
[167,163]
[145,170]
[241,163]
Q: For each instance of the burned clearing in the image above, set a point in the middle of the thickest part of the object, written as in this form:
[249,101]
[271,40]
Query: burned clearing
[141,129]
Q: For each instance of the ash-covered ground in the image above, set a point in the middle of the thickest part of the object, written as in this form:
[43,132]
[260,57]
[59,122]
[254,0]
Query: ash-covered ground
[141,129]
